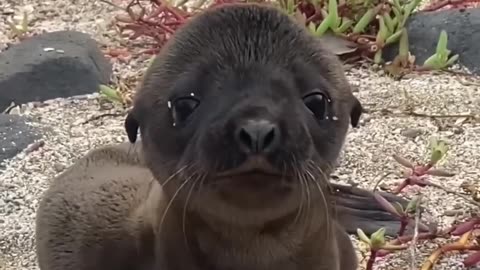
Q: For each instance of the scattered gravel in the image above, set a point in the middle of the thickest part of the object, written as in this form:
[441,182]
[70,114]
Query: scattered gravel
[366,159]
[368,149]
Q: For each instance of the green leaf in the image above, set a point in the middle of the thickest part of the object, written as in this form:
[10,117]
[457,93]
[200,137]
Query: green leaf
[394,38]
[337,23]
[411,6]
[290,6]
[377,239]
[389,22]
[382,32]
[333,11]
[404,46]
[442,43]
[395,24]
[413,204]
[407,10]
[439,149]
[396,4]
[324,25]
[312,27]
[452,60]
[111,94]
[25,22]
[362,236]
[377,59]
[347,23]
[431,62]
[365,20]
[398,17]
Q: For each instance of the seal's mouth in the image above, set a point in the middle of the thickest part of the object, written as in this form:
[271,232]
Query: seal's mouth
[253,166]
[255,173]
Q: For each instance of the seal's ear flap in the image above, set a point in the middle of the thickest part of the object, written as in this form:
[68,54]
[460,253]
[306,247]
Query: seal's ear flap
[131,127]
[355,112]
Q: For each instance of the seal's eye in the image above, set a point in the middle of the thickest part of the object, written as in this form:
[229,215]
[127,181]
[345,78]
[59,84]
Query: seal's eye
[183,107]
[317,103]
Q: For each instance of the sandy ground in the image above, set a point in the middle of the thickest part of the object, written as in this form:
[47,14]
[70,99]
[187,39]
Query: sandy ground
[367,155]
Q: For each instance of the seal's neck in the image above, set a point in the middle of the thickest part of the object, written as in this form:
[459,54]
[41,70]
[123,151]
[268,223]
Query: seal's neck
[217,245]
[209,243]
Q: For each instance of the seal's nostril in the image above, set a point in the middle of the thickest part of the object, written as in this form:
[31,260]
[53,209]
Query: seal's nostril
[258,136]
[269,138]
[245,138]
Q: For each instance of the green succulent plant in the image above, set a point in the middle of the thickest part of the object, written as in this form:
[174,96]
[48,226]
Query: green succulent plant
[110,94]
[19,29]
[441,59]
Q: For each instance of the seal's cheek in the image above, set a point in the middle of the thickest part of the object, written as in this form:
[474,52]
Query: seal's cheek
[327,138]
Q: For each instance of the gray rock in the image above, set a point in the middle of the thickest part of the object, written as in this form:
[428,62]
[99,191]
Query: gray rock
[51,65]
[411,132]
[15,135]
[463,36]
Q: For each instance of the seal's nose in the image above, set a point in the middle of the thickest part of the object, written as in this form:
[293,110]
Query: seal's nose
[258,136]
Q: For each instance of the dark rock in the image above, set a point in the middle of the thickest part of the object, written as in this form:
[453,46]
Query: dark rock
[15,135]
[51,65]
[463,36]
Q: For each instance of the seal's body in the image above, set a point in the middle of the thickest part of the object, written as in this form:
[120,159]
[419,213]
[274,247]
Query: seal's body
[242,117]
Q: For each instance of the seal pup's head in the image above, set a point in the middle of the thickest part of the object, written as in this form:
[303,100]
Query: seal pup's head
[243,114]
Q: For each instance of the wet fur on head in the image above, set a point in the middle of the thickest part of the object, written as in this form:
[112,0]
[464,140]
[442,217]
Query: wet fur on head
[241,63]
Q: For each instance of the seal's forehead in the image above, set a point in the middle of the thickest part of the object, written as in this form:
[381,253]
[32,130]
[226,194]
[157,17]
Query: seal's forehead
[237,37]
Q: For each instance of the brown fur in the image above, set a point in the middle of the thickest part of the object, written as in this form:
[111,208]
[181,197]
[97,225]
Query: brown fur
[124,208]
[109,222]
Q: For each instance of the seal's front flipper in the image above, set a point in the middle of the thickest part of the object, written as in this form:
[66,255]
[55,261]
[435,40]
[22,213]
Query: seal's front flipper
[357,208]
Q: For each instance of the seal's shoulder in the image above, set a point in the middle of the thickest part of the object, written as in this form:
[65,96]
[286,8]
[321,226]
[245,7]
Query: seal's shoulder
[118,161]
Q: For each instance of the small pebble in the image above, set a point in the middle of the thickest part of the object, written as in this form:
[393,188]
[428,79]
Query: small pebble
[411,132]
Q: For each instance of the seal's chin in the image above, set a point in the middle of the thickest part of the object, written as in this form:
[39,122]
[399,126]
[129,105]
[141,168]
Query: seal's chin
[253,190]
[254,186]
[249,198]
[253,193]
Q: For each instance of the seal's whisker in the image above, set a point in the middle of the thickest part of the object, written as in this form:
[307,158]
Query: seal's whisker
[309,197]
[172,199]
[185,206]
[302,190]
[322,194]
[297,176]
[315,167]
[174,174]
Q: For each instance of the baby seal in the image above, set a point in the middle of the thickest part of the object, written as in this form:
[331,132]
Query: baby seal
[242,117]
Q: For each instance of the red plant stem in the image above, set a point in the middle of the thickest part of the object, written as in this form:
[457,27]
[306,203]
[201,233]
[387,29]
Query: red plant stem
[403,226]
[176,14]
[160,25]
[155,13]
[473,259]
[421,236]
[174,23]
[402,185]
[426,168]
[371,259]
